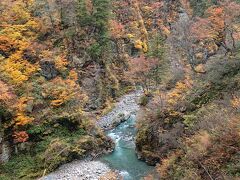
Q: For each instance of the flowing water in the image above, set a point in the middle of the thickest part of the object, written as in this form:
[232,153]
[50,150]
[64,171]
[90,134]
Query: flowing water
[124,157]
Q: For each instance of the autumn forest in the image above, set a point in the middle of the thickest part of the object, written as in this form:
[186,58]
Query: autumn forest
[120,89]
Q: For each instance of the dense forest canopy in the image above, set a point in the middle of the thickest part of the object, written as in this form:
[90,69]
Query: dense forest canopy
[64,63]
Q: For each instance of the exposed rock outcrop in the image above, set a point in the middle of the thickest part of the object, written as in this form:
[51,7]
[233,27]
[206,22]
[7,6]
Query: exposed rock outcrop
[48,69]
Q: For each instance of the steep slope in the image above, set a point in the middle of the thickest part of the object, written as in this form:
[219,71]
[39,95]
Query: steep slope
[191,125]
[43,101]
[62,64]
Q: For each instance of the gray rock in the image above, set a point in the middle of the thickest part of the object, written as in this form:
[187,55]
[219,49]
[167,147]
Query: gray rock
[79,170]
[126,106]
[48,69]
[29,106]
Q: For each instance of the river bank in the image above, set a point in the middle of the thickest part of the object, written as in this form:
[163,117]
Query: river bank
[80,169]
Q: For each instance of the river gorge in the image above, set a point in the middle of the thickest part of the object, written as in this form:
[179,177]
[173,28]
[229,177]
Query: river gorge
[119,125]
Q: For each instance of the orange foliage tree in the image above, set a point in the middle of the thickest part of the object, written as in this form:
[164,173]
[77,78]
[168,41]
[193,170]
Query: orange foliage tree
[219,26]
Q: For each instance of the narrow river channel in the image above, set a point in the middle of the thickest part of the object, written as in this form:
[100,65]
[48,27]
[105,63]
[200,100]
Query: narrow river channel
[124,157]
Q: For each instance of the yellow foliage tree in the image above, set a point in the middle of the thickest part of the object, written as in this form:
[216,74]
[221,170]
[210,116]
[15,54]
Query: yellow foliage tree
[18,29]
[178,92]
[16,69]
[235,102]
[61,63]
[60,91]
[21,117]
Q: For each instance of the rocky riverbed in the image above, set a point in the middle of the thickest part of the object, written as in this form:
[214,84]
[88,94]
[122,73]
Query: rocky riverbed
[79,170]
[93,170]
[125,106]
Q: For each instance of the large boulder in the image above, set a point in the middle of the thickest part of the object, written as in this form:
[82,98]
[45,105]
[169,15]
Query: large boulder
[48,69]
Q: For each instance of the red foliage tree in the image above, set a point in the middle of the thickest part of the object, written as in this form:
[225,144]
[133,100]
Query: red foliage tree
[20,136]
[139,71]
